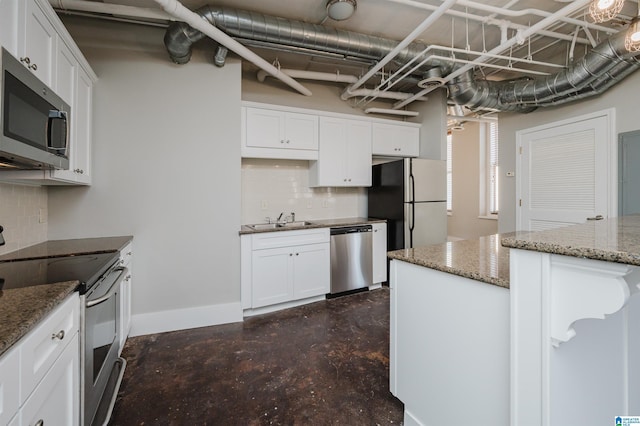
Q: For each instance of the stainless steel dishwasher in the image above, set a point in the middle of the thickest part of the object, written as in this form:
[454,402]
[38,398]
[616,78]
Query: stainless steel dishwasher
[351,264]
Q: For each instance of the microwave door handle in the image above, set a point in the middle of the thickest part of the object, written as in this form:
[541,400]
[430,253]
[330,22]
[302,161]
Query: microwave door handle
[58,115]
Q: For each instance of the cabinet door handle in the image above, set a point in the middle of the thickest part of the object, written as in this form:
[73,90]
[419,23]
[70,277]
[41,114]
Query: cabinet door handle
[598,217]
[26,60]
[297,254]
[59,335]
[34,67]
[40,423]
[290,254]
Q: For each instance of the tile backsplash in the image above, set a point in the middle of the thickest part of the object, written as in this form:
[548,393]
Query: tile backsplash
[270,187]
[23,214]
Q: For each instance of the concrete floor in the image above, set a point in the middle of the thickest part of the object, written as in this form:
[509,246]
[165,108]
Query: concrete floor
[319,364]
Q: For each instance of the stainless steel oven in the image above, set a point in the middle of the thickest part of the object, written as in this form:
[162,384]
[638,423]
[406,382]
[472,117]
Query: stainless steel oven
[101,367]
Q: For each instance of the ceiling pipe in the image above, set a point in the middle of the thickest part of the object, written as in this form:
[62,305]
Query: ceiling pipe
[111,9]
[176,9]
[536,12]
[431,19]
[312,75]
[460,118]
[502,24]
[378,94]
[570,8]
[391,112]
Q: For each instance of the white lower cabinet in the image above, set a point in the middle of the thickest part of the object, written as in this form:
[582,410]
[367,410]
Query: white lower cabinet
[281,267]
[126,255]
[379,252]
[56,399]
[40,374]
[9,385]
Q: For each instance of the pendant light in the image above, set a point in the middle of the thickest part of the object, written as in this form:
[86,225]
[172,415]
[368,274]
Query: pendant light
[605,10]
[632,39]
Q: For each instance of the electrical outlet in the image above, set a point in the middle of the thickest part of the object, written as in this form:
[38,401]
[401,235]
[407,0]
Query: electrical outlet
[309,204]
[264,204]
[42,216]
[325,204]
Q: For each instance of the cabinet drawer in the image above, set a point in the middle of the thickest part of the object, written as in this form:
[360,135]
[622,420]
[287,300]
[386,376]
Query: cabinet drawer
[42,346]
[9,384]
[269,240]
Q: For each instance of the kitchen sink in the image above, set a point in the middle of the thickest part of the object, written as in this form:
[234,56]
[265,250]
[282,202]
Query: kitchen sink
[263,226]
[293,224]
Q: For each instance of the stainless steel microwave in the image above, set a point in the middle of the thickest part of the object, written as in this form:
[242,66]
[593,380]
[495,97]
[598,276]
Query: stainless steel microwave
[35,122]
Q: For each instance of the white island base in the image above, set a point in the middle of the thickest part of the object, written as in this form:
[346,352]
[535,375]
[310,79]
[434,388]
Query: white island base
[449,359]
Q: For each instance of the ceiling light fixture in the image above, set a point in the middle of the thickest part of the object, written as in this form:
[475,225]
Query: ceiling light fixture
[605,10]
[632,39]
[339,10]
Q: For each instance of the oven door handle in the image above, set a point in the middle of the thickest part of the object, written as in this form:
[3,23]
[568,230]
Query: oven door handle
[114,287]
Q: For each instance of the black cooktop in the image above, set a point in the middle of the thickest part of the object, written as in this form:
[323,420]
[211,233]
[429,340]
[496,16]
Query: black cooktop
[87,269]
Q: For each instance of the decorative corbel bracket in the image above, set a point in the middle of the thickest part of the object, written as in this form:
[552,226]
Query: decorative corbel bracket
[583,288]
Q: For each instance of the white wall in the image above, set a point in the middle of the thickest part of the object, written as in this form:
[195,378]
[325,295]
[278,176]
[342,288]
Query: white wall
[166,170]
[270,187]
[21,210]
[464,221]
[623,97]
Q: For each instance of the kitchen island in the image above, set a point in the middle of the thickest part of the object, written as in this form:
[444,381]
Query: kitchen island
[449,354]
[530,328]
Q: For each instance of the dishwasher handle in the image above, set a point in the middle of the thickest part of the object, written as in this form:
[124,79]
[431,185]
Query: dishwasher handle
[350,229]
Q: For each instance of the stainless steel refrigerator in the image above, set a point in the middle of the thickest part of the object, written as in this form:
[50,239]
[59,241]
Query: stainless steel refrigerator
[411,194]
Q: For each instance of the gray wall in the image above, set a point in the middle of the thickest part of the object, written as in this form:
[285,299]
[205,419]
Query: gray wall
[166,168]
[464,221]
[623,97]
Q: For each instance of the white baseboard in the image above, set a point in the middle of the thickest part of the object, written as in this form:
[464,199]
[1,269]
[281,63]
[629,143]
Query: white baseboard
[182,319]
[280,306]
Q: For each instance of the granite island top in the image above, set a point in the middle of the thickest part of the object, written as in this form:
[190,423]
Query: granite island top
[483,259]
[611,240]
[320,223]
[21,309]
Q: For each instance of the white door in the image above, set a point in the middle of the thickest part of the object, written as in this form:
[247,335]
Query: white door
[565,173]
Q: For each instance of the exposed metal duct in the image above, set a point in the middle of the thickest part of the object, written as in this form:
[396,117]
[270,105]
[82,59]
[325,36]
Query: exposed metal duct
[601,68]
[254,26]
[607,64]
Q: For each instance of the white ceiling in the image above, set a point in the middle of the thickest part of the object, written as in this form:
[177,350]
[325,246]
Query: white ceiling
[395,19]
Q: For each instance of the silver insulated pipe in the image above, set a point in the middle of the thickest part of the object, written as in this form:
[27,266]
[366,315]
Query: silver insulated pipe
[601,68]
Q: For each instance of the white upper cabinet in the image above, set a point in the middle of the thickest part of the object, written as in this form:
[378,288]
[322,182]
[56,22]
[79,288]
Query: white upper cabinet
[395,140]
[31,30]
[37,48]
[9,25]
[279,134]
[344,158]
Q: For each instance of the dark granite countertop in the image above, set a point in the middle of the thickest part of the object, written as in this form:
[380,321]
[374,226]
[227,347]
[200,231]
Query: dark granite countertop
[320,223]
[76,247]
[611,240]
[21,309]
[483,259]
